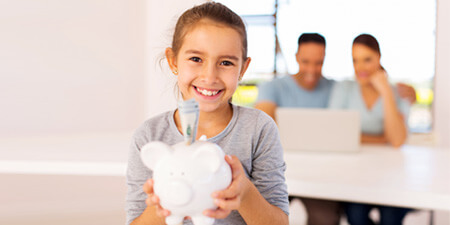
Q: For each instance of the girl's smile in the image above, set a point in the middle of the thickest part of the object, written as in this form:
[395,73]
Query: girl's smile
[207,93]
[209,64]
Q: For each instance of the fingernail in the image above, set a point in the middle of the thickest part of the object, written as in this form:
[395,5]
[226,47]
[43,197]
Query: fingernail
[217,202]
[229,157]
[214,195]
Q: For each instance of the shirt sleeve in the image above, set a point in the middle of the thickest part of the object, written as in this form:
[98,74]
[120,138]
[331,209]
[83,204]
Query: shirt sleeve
[268,166]
[339,95]
[267,92]
[136,175]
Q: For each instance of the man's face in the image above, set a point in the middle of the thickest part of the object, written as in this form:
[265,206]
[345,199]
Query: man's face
[310,57]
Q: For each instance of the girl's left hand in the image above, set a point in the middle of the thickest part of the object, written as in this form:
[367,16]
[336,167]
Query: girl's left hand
[379,81]
[230,198]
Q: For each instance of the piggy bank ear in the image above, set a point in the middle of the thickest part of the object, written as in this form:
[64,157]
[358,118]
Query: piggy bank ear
[209,155]
[152,152]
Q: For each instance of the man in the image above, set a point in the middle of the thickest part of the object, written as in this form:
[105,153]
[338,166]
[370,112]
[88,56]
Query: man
[309,89]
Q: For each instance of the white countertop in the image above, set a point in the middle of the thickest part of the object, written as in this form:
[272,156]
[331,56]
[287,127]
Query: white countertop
[412,176]
[76,154]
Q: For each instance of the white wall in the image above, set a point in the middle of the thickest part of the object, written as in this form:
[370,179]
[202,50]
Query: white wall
[71,66]
[85,65]
[442,79]
[442,87]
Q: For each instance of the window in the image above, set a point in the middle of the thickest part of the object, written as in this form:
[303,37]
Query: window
[405,30]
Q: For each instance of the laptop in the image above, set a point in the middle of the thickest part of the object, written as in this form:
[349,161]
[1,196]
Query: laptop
[320,130]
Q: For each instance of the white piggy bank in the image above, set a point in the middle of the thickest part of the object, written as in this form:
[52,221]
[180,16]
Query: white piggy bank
[185,176]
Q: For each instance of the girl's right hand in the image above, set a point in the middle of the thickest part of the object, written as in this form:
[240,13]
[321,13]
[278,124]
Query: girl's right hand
[153,199]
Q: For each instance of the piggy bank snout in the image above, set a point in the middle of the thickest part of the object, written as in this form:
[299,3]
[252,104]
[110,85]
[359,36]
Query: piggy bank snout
[177,192]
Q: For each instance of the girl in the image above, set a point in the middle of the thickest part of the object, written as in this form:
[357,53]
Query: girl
[382,116]
[209,57]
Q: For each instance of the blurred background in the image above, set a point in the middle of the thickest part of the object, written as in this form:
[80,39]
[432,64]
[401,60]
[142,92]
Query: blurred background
[77,77]
[406,31]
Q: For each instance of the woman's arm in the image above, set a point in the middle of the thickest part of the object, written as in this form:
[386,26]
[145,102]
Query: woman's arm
[373,139]
[242,195]
[394,125]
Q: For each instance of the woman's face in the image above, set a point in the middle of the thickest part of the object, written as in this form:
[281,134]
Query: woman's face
[366,62]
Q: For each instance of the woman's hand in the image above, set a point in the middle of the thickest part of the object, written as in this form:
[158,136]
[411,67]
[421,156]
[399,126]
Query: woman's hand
[153,199]
[230,198]
[379,81]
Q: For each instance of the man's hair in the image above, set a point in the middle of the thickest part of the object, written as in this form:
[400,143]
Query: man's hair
[311,38]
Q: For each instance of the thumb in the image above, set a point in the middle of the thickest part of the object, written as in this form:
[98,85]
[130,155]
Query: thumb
[235,164]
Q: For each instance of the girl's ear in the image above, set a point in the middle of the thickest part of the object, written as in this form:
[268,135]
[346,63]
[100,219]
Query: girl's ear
[171,60]
[244,67]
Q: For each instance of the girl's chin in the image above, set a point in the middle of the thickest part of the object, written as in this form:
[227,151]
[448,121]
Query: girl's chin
[211,107]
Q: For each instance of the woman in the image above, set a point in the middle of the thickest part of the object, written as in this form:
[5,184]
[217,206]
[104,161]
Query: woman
[383,116]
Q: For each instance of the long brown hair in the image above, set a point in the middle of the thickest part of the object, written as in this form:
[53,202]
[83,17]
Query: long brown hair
[213,11]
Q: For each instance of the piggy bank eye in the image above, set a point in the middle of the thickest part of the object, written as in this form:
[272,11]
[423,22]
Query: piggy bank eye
[182,173]
[171,173]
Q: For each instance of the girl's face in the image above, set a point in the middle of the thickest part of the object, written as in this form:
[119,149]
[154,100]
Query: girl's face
[366,62]
[209,65]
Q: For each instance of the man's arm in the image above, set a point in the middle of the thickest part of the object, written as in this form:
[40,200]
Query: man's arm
[267,107]
[407,92]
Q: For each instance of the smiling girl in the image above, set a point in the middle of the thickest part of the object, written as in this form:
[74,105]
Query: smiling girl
[209,57]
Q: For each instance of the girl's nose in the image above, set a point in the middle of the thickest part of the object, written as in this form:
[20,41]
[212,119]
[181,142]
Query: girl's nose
[209,73]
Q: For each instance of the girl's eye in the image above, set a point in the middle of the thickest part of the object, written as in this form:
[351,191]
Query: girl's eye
[226,63]
[195,59]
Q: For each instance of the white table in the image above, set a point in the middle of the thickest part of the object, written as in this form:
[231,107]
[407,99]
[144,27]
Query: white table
[412,176]
[97,154]
[75,178]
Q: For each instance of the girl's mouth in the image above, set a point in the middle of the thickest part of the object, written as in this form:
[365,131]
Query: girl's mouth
[207,92]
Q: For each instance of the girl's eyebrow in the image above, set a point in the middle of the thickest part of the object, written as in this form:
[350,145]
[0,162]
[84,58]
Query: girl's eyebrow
[192,51]
[232,57]
[189,51]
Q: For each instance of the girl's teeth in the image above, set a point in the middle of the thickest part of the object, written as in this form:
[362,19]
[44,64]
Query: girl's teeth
[207,93]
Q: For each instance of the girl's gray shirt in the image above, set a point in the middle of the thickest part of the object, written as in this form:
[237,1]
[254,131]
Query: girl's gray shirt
[251,135]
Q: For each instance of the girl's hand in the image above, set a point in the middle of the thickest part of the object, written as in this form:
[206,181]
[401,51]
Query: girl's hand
[153,200]
[230,198]
[379,81]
